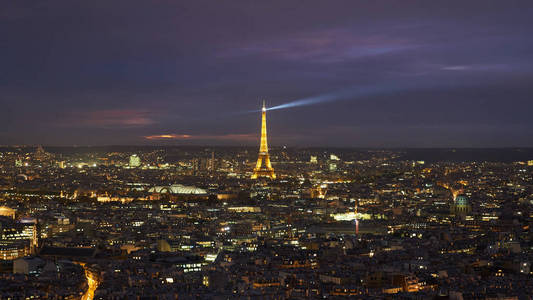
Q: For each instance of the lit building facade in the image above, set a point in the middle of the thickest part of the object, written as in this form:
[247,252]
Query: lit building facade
[135,161]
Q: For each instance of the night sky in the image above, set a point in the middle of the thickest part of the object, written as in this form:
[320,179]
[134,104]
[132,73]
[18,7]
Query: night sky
[373,73]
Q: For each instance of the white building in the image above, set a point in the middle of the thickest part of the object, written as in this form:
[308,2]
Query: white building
[135,161]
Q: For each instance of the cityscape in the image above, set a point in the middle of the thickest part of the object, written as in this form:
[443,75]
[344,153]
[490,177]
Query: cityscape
[242,150]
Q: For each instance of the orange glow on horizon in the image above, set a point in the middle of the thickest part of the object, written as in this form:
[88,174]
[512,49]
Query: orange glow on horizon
[167,136]
[172,136]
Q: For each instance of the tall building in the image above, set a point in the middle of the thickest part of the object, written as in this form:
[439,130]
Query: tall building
[212,162]
[135,161]
[17,239]
[263,168]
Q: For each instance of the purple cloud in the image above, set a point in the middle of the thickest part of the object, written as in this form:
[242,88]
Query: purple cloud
[323,46]
[109,118]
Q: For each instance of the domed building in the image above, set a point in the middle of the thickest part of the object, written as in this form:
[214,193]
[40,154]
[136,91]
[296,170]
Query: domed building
[461,205]
[178,192]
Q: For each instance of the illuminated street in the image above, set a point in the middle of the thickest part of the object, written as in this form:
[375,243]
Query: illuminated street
[92,282]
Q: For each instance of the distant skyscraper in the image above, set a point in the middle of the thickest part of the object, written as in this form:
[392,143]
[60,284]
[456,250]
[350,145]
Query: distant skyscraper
[212,162]
[263,168]
[135,161]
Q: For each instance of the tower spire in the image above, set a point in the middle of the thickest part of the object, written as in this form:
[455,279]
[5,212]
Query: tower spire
[263,167]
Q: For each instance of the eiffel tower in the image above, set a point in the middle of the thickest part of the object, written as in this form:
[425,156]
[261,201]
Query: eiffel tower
[263,168]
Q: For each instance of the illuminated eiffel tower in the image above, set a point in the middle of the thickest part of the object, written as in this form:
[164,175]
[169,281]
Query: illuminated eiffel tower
[263,168]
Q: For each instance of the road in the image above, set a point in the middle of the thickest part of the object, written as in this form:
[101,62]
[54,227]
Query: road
[92,282]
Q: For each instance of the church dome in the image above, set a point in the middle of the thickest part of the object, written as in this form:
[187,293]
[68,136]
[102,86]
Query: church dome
[461,200]
[178,189]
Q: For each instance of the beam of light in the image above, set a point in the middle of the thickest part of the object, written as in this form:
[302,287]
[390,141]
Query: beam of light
[340,95]
[345,94]
[357,92]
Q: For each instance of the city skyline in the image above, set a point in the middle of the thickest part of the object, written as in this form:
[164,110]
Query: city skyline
[356,74]
[137,161]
